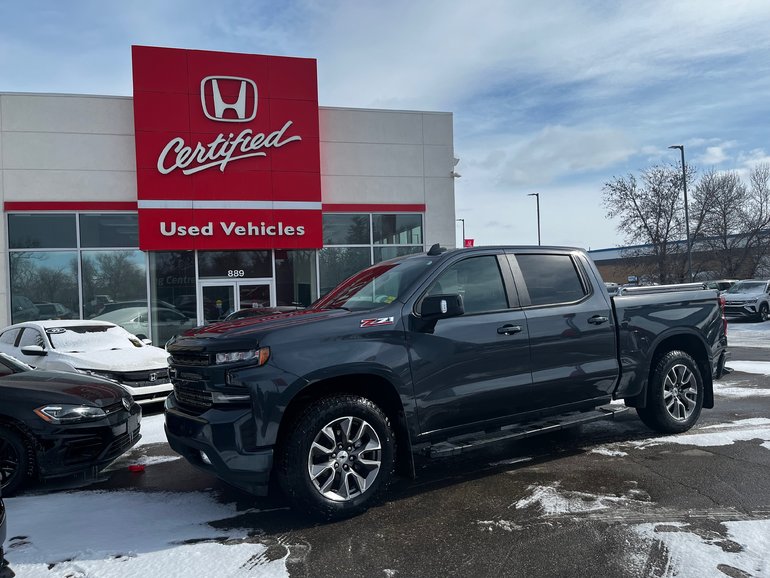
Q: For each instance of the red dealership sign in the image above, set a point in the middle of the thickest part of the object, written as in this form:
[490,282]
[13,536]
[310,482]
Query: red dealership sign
[227,150]
[468,242]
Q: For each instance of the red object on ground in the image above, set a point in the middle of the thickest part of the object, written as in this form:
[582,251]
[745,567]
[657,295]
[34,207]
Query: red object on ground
[136,468]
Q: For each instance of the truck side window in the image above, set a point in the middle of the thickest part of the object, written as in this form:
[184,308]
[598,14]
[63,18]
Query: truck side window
[478,280]
[551,279]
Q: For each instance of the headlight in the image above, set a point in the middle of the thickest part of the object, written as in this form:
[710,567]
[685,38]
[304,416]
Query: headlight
[261,355]
[63,413]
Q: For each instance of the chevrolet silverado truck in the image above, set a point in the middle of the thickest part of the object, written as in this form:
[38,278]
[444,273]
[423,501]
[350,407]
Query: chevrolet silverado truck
[434,354]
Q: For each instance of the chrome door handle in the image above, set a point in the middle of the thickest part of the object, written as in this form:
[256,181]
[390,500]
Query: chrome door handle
[509,329]
[598,319]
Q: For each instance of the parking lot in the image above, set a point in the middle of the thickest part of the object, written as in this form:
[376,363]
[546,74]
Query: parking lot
[609,498]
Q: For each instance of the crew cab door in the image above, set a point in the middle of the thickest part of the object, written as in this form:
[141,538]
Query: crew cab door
[571,328]
[470,368]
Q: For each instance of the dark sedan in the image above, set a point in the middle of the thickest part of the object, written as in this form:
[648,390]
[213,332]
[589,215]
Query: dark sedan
[57,424]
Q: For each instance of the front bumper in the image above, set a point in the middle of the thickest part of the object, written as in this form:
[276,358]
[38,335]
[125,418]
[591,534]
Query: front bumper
[86,448]
[743,310]
[218,441]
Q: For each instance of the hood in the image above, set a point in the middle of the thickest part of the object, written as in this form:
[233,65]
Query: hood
[122,359]
[740,297]
[38,387]
[252,328]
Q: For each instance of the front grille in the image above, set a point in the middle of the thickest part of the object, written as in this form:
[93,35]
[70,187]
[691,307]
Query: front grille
[120,444]
[144,378]
[110,409]
[187,358]
[191,397]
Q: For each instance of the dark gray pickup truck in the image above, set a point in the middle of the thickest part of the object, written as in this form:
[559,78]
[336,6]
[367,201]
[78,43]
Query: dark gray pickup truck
[434,353]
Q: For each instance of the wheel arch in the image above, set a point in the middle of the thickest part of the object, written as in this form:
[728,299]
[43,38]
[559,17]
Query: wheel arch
[30,442]
[694,346]
[374,387]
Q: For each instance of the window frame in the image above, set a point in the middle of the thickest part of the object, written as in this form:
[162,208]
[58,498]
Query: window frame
[513,255]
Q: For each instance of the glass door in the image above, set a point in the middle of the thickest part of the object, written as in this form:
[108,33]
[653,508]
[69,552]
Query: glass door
[217,299]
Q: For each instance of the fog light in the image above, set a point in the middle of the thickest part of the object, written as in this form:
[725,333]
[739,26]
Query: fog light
[205,459]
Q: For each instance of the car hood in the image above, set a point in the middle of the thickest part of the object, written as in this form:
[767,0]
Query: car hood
[733,297]
[38,387]
[254,327]
[123,359]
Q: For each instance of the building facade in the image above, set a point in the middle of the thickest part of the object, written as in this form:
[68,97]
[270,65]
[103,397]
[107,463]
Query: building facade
[112,212]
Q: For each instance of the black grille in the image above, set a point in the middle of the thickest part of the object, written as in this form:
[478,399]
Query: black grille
[144,378]
[187,358]
[120,444]
[192,397]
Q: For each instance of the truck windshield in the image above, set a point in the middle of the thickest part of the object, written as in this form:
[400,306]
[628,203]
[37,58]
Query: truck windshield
[376,286]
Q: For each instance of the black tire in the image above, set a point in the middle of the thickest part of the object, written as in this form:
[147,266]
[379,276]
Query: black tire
[674,394]
[14,461]
[764,312]
[308,445]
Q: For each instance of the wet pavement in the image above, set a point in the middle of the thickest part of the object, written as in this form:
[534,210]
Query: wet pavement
[603,499]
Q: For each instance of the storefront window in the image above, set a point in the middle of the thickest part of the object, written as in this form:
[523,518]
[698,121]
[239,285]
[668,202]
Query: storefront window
[113,281]
[348,229]
[45,278]
[397,229]
[173,293]
[41,232]
[385,253]
[295,277]
[109,230]
[338,263]
[235,264]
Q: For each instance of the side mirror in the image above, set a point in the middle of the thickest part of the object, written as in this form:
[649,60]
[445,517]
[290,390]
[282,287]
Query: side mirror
[147,341]
[34,350]
[441,306]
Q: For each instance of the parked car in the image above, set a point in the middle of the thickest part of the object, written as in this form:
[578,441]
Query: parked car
[721,284]
[57,424]
[142,303]
[249,312]
[434,354]
[22,309]
[95,347]
[168,322]
[748,299]
[54,311]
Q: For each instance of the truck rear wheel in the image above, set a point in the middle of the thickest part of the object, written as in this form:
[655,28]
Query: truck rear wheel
[338,457]
[674,394]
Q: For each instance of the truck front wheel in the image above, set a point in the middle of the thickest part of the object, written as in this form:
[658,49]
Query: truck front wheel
[674,394]
[338,457]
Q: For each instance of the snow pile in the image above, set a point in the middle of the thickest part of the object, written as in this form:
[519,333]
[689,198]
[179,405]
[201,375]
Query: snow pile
[604,451]
[748,335]
[723,435]
[122,534]
[756,367]
[694,553]
[554,502]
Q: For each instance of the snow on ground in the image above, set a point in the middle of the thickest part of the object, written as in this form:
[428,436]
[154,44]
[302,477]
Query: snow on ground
[608,452]
[552,501]
[693,553]
[748,335]
[756,367]
[719,435]
[127,533]
[152,430]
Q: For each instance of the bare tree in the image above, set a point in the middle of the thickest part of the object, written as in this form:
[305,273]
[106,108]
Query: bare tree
[651,214]
[732,236]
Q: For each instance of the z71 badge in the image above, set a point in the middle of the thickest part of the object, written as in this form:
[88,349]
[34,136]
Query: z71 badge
[376,322]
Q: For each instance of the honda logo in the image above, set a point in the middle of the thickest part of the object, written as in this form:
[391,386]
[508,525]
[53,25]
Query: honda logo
[219,104]
[153,377]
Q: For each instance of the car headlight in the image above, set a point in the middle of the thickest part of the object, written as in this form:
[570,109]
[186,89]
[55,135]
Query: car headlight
[64,413]
[261,355]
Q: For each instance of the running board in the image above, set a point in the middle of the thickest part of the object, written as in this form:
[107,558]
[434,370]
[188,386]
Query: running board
[460,444]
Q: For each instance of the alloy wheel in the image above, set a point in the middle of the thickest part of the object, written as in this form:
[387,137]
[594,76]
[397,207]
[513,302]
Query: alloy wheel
[9,462]
[344,459]
[680,393]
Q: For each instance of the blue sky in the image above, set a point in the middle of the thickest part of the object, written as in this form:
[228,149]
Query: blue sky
[550,97]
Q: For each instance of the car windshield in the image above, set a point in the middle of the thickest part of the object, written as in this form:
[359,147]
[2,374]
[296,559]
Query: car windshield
[78,338]
[376,286]
[747,287]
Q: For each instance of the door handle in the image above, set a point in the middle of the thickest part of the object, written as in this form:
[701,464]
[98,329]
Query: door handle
[509,329]
[598,319]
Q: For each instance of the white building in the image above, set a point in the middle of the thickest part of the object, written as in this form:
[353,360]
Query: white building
[78,205]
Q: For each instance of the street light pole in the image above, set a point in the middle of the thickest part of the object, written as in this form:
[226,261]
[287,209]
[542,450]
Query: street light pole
[686,212]
[463,222]
[537,198]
